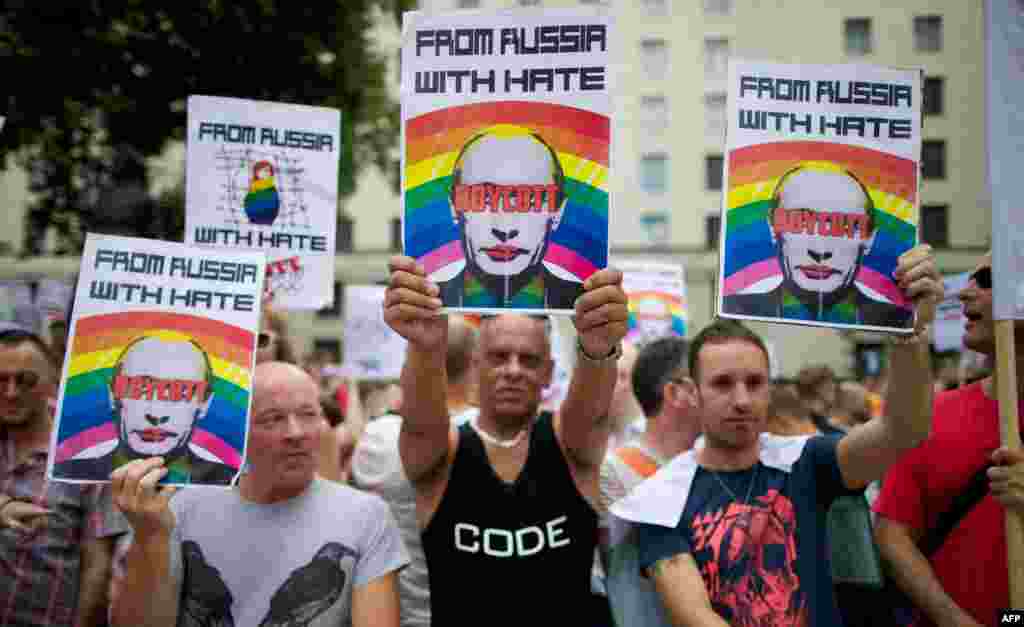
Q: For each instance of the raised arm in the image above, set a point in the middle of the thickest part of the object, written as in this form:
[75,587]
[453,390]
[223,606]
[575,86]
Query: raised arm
[147,594]
[867,451]
[94,580]
[412,309]
[601,322]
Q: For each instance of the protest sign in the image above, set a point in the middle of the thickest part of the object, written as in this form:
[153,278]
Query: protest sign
[1005,45]
[17,306]
[505,154]
[657,299]
[53,297]
[264,176]
[372,349]
[820,194]
[160,356]
[948,331]
[1004,52]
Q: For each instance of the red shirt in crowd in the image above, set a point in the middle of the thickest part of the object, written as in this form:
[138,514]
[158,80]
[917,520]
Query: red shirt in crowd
[972,563]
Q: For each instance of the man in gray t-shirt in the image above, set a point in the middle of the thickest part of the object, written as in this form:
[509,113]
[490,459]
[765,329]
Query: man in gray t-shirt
[285,548]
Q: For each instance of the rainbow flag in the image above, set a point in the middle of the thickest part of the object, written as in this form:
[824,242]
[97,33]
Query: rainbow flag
[750,260]
[86,419]
[580,138]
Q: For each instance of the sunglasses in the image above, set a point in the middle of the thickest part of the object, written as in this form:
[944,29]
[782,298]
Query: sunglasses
[982,277]
[264,339]
[24,380]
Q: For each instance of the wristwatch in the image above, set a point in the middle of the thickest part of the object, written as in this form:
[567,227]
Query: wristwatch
[610,357]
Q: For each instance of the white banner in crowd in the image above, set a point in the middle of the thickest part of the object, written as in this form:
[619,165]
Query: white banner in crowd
[53,297]
[948,332]
[264,176]
[158,328]
[372,349]
[506,140]
[820,193]
[17,307]
[657,299]
[1005,80]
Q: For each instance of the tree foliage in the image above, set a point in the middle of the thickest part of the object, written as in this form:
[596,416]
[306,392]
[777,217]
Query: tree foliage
[98,83]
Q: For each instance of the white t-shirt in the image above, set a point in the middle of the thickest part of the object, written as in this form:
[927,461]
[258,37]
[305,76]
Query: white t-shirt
[287,563]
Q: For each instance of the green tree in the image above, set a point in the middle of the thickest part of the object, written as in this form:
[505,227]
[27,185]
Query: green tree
[98,86]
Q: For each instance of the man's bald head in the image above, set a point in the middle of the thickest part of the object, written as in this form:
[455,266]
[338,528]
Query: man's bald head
[272,377]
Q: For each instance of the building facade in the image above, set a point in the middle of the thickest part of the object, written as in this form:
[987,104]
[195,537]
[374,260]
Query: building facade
[670,77]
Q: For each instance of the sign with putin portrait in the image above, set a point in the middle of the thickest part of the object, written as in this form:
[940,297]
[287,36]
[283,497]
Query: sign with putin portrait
[820,194]
[505,154]
[160,357]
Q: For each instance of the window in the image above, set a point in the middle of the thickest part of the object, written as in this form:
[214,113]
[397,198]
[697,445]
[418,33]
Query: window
[857,36]
[467,4]
[654,56]
[654,113]
[332,311]
[329,346]
[343,240]
[713,165]
[656,227]
[931,104]
[717,7]
[712,227]
[656,7]
[933,159]
[654,173]
[928,33]
[716,58]
[396,235]
[935,225]
[714,115]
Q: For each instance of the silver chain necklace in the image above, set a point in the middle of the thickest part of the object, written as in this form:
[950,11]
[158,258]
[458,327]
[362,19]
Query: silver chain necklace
[750,489]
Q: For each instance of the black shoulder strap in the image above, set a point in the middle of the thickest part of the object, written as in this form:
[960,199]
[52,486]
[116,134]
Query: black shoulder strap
[973,492]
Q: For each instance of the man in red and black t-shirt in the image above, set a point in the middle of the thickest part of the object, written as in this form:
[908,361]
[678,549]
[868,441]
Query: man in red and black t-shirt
[964,582]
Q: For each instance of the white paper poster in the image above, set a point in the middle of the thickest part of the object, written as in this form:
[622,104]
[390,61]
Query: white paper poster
[372,349]
[264,176]
[506,144]
[657,299]
[948,332]
[1005,102]
[161,350]
[820,194]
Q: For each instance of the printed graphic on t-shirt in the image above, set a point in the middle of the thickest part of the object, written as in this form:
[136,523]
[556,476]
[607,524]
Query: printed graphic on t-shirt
[308,592]
[747,556]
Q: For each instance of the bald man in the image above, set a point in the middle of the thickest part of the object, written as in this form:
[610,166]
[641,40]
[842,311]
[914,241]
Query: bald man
[160,389]
[284,548]
[823,226]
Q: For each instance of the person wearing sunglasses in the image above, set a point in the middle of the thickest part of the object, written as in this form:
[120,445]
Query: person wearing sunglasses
[964,580]
[273,343]
[56,539]
[823,225]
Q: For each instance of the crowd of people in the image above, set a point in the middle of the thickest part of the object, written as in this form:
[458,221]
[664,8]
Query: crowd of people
[675,484]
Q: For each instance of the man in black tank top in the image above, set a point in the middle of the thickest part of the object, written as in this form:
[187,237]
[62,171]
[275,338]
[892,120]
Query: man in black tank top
[508,503]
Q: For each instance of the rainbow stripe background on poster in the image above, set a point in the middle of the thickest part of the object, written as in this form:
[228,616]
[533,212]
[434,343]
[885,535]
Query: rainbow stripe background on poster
[86,426]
